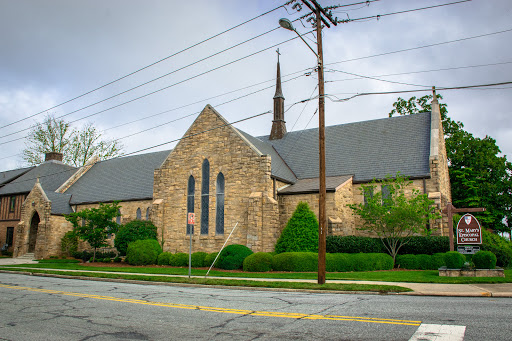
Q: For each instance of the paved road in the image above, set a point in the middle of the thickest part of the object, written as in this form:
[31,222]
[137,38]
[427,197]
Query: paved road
[37,308]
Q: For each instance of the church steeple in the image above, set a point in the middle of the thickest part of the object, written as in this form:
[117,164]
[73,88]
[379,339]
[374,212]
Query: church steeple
[278,124]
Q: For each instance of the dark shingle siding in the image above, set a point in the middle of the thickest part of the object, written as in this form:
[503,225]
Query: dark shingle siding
[60,203]
[124,179]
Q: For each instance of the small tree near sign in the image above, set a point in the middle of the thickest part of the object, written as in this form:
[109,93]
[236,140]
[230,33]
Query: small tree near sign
[469,231]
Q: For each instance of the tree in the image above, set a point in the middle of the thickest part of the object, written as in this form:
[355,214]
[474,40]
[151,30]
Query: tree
[300,233]
[93,225]
[132,231]
[393,216]
[479,176]
[76,145]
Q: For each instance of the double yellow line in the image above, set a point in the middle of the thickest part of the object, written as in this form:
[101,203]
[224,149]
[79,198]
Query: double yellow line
[221,310]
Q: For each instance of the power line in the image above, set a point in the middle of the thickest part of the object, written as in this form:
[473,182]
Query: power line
[420,47]
[378,16]
[423,71]
[156,91]
[143,68]
[377,79]
[417,90]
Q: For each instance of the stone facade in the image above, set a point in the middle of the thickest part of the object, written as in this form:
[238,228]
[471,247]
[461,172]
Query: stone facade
[248,199]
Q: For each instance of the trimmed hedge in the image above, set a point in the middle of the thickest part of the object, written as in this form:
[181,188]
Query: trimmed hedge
[258,262]
[208,260]
[179,259]
[143,252]
[198,259]
[232,257]
[353,244]
[416,245]
[295,262]
[132,231]
[484,260]
[454,260]
[420,262]
[300,233]
[164,258]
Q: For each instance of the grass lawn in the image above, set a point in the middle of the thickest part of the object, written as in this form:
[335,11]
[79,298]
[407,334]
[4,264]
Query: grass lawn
[414,276]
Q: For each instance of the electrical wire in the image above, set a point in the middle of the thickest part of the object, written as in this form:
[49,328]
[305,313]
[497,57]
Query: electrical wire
[143,68]
[378,16]
[377,79]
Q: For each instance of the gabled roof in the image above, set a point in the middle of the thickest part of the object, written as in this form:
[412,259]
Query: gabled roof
[368,150]
[60,203]
[123,179]
[313,185]
[10,175]
[51,175]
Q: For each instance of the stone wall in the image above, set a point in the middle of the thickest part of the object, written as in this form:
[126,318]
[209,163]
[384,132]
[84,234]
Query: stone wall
[248,189]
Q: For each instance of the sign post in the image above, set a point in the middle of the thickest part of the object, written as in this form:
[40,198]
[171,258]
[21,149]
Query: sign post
[449,210]
[191,219]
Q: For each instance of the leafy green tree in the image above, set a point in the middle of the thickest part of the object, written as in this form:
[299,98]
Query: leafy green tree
[69,243]
[300,233]
[132,231]
[394,216]
[76,145]
[93,225]
[479,176]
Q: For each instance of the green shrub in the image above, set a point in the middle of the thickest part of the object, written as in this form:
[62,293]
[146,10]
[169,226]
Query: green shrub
[454,260]
[300,233]
[338,262]
[179,259]
[69,243]
[409,262]
[353,244]
[132,231]
[429,245]
[438,260]
[425,262]
[164,258]
[198,259]
[143,252]
[484,260]
[208,260]
[258,262]
[295,261]
[498,245]
[232,257]
[118,260]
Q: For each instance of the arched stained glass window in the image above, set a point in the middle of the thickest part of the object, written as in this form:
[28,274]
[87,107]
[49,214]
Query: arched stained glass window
[205,196]
[147,213]
[219,217]
[190,201]
[118,218]
[139,214]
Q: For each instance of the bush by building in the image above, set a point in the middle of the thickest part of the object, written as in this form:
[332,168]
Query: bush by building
[498,245]
[258,262]
[143,252]
[179,259]
[484,260]
[198,259]
[232,257]
[300,233]
[295,261]
[132,231]
[164,258]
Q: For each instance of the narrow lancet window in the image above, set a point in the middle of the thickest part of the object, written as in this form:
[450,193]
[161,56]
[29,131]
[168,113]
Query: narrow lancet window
[219,218]
[205,197]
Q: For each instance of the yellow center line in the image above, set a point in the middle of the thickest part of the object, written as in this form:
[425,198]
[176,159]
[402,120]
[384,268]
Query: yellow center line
[221,310]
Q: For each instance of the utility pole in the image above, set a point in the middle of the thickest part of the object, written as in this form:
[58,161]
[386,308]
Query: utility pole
[322,215]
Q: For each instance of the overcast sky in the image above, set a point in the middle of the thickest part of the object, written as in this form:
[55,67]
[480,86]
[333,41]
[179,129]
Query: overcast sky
[52,51]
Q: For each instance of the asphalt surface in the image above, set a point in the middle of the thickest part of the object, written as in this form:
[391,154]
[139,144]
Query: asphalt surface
[419,289]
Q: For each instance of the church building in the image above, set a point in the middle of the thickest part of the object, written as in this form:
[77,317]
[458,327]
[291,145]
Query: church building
[229,178]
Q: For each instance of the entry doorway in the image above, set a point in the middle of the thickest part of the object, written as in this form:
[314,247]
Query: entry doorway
[32,238]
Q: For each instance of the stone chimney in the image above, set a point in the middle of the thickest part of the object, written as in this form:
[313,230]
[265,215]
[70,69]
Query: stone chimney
[53,156]
[278,124]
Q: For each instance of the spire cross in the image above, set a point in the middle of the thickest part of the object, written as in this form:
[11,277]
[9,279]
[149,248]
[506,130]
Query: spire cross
[278,54]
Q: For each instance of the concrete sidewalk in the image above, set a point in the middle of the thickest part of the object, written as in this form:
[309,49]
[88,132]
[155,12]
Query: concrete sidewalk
[419,289]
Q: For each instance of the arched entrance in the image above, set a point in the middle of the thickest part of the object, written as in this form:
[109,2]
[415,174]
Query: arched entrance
[32,237]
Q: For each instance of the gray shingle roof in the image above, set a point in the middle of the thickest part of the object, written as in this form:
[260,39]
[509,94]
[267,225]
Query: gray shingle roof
[60,203]
[313,185]
[10,175]
[125,178]
[368,150]
[279,168]
[51,175]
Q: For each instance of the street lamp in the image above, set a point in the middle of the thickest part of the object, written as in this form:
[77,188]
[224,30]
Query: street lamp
[322,216]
